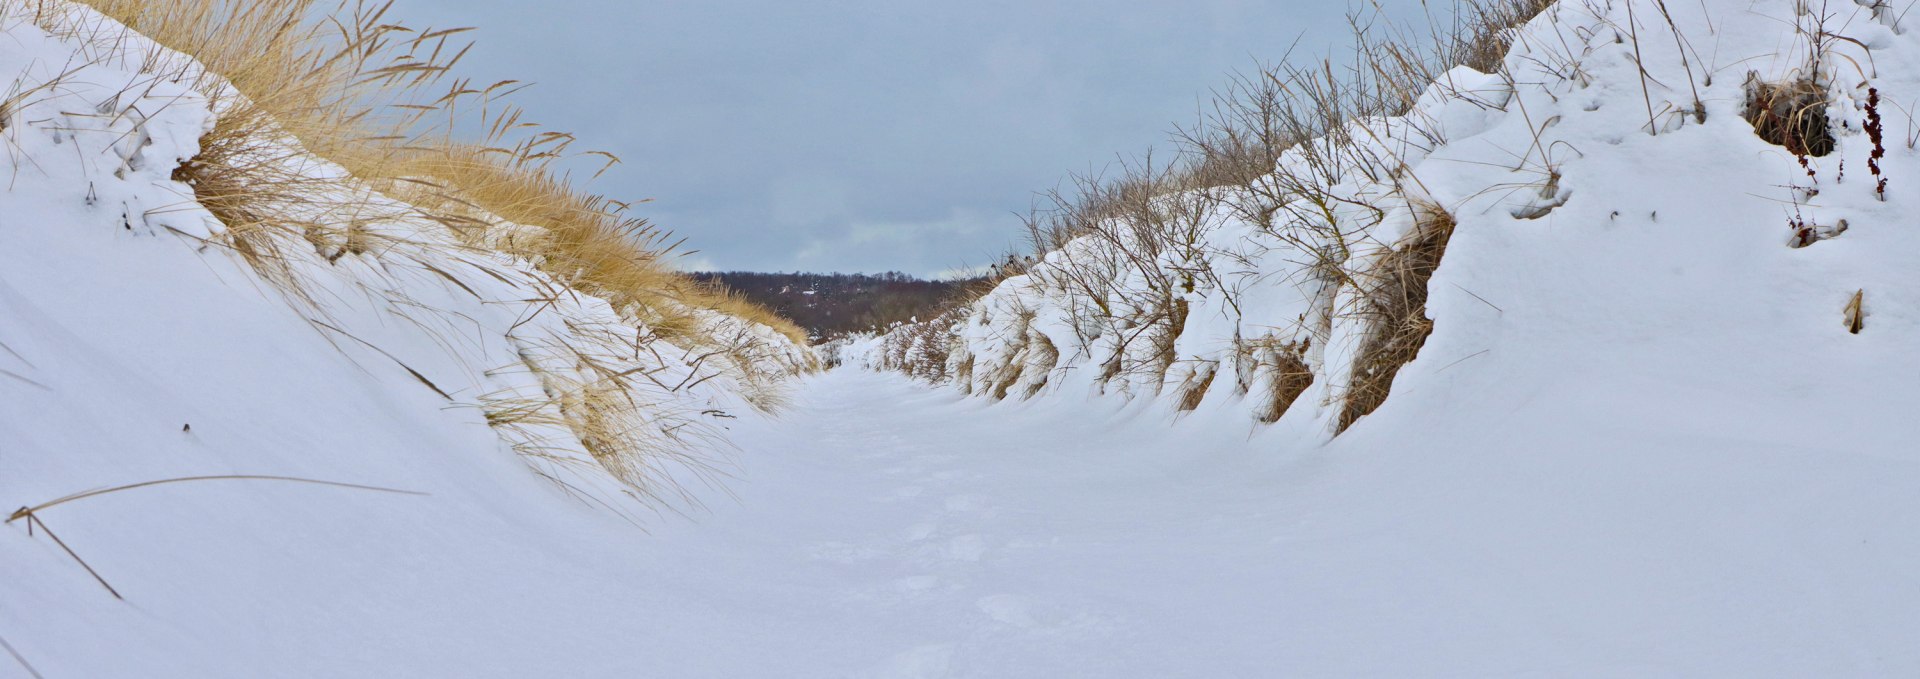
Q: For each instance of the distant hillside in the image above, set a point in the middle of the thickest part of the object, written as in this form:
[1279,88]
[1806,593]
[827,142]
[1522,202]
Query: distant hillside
[828,305]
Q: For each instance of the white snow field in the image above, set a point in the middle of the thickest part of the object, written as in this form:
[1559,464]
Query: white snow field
[1640,442]
[885,530]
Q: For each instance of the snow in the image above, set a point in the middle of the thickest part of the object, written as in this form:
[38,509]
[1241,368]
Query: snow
[888,530]
[1640,442]
[1653,249]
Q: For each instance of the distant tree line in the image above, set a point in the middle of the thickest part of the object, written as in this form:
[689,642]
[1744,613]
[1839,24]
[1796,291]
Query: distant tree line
[830,305]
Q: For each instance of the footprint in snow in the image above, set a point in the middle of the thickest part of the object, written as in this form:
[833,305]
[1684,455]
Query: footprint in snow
[966,548]
[923,662]
[918,586]
[966,503]
[902,493]
[1039,618]
[921,532]
[841,552]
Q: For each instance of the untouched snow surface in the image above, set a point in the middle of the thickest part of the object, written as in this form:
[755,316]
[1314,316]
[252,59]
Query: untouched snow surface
[885,530]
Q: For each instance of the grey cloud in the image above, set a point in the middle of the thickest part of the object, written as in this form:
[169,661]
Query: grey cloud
[865,135]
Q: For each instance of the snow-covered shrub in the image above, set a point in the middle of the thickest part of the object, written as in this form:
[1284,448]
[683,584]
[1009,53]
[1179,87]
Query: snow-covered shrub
[919,348]
[1283,243]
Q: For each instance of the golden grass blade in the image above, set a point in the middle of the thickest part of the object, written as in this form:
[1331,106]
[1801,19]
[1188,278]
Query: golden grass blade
[27,512]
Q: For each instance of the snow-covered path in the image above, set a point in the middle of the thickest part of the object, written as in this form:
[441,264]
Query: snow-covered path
[903,532]
[1650,435]
[884,528]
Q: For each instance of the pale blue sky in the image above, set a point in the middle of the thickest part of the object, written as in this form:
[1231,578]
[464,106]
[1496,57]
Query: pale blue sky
[867,135]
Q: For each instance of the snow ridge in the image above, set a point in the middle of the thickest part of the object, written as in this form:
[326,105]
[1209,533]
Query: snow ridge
[126,309]
[1561,175]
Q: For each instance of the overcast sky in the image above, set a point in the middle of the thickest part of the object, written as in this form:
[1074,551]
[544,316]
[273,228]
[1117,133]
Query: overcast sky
[867,135]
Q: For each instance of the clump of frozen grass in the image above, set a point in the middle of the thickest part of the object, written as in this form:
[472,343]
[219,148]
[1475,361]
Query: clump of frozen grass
[1791,114]
[626,429]
[1193,388]
[1393,303]
[1279,376]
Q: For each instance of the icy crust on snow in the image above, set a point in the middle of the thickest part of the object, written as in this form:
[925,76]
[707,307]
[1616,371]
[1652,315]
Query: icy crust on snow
[1597,229]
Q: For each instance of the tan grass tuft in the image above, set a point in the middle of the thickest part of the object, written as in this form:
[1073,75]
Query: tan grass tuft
[1856,312]
[1394,305]
[1790,114]
[1193,389]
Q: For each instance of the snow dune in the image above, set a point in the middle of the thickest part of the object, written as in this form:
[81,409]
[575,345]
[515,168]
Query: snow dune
[1641,440]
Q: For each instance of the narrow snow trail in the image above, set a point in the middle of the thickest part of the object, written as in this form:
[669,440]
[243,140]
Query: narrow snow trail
[885,528]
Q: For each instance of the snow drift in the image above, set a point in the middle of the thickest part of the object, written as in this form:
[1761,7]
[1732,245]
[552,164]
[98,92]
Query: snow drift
[1657,423]
[1600,208]
[142,340]
[1631,357]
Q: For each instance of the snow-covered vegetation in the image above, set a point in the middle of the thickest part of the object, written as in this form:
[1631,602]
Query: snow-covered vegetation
[1632,183]
[238,252]
[1577,345]
[492,284]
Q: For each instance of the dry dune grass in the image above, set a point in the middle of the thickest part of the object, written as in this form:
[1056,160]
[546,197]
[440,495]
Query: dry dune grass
[336,132]
[296,92]
[371,96]
[1279,370]
[609,412]
[1193,388]
[1394,304]
[1128,224]
[1791,114]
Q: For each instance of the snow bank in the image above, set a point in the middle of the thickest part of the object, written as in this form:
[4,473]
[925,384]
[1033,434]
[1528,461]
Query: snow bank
[1598,231]
[1643,438]
[136,347]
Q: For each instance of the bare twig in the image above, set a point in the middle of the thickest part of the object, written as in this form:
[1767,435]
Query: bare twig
[33,520]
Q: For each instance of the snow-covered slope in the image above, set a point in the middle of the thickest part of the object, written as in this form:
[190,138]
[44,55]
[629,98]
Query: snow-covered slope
[137,346]
[1605,235]
[1643,438]
[1643,431]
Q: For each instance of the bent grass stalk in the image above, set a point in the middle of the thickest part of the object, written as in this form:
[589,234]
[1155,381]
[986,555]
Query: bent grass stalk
[31,514]
[336,131]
